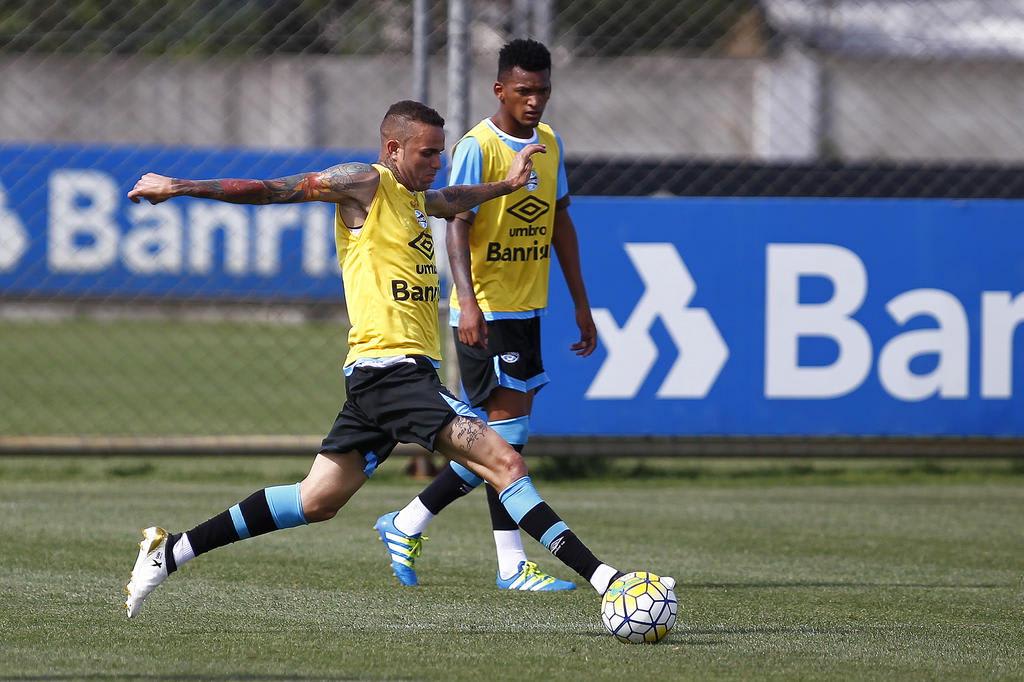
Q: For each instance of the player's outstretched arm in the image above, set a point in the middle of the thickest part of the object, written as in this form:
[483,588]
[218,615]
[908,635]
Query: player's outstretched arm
[338,183]
[450,201]
[567,247]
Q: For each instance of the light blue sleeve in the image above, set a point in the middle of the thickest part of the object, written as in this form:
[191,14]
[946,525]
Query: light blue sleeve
[467,164]
[563,179]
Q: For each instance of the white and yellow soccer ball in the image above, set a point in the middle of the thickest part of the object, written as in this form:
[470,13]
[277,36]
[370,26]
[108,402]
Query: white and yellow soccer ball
[640,608]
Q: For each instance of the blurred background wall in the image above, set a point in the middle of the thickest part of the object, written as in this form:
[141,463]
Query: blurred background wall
[838,79]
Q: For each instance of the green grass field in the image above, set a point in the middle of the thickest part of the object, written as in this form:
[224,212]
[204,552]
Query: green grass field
[169,377]
[839,570]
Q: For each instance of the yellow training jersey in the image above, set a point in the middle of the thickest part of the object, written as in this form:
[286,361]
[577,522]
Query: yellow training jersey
[510,240]
[390,279]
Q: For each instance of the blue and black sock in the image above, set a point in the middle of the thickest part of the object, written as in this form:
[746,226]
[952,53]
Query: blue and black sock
[516,432]
[453,482]
[264,511]
[545,526]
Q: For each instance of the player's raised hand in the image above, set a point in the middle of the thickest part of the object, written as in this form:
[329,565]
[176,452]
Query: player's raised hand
[153,188]
[522,164]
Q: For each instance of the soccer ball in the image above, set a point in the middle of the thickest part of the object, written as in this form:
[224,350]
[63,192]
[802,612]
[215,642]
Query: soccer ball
[639,608]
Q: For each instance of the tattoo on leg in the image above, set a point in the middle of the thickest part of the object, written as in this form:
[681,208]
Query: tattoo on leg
[468,431]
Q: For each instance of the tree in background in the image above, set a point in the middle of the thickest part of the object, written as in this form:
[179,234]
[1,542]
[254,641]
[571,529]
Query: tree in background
[603,28]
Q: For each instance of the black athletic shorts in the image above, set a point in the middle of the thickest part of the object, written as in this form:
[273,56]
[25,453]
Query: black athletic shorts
[512,359]
[403,402]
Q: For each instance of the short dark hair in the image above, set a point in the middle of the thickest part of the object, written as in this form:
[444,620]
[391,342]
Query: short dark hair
[528,55]
[401,114]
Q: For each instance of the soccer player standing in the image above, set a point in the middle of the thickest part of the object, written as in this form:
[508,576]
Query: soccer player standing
[394,394]
[500,256]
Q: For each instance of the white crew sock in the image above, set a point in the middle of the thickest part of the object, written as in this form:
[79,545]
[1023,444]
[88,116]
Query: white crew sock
[182,551]
[510,552]
[602,578]
[414,519]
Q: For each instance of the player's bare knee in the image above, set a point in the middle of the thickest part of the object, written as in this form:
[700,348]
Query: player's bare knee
[320,510]
[518,468]
[511,464]
[318,502]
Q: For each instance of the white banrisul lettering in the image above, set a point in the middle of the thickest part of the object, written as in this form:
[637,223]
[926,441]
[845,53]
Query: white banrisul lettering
[1001,315]
[13,238]
[154,244]
[204,218]
[949,341]
[316,257]
[271,221]
[82,205]
[787,321]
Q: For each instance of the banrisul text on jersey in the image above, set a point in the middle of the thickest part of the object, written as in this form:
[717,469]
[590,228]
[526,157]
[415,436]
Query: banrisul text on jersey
[517,254]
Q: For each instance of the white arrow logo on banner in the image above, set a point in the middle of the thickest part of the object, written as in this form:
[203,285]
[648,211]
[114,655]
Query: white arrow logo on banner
[631,351]
[13,238]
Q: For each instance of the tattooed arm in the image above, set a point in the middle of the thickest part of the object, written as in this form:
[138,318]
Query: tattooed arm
[339,183]
[452,200]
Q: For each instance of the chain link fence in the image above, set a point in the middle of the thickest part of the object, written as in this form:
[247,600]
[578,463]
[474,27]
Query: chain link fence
[663,97]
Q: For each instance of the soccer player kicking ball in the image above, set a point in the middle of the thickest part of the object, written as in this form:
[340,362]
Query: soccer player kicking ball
[500,256]
[394,395]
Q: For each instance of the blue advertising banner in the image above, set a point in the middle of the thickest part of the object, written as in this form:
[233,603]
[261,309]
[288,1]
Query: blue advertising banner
[738,317]
[67,228]
[792,317]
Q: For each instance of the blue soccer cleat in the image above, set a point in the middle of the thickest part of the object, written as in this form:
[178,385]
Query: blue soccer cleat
[531,579]
[402,549]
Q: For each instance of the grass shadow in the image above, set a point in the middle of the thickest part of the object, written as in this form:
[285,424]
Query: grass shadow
[131,470]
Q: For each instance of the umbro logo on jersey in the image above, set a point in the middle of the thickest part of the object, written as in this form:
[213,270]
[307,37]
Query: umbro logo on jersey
[424,243]
[510,358]
[529,209]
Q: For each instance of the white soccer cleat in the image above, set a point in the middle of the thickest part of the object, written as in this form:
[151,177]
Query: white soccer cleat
[150,568]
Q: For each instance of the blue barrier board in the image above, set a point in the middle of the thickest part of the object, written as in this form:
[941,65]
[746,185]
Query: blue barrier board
[67,228]
[716,316]
[792,317]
